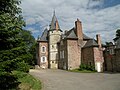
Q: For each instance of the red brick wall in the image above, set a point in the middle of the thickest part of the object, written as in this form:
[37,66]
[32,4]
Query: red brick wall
[98,57]
[43,54]
[98,54]
[88,56]
[74,54]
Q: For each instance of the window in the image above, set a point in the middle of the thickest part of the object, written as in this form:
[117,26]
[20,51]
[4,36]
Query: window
[90,63]
[52,61]
[43,59]
[62,54]
[52,46]
[43,49]
[111,51]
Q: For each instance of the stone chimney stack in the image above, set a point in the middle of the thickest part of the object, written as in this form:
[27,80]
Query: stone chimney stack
[78,30]
[99,40]
[65,31]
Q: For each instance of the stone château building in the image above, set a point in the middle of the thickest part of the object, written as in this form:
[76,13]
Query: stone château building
[69,49]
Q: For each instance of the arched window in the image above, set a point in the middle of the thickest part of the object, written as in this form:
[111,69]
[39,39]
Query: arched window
[43,49]
[43,59]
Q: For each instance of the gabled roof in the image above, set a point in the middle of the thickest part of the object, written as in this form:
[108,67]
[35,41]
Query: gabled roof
[90,43]
[44,35]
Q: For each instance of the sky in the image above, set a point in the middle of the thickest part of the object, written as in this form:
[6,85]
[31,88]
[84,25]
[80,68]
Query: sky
[97,16]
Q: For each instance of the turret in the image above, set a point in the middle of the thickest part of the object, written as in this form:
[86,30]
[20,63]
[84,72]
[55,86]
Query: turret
[54,37]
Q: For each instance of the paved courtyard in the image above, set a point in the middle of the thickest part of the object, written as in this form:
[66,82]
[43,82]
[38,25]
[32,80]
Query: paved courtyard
[64,80]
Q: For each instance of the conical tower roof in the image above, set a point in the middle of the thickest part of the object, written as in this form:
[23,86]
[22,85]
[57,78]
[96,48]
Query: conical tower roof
[53,23]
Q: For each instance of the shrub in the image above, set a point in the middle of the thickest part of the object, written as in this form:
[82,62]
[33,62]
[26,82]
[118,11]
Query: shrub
[8,81]
[87,67]
[22,66]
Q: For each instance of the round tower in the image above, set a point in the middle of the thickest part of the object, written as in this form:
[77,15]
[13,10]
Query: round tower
[54,36]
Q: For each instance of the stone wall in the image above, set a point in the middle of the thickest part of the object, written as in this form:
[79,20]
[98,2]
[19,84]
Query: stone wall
[108,63]
[74,54]
[98,59]
[117,61]
[41,54]
[54,38]
[62,63]
[88,56]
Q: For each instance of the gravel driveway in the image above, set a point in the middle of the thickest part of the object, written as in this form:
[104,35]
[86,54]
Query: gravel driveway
[64,80]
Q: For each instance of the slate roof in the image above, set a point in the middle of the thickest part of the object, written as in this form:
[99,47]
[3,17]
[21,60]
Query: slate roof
[85,37]
[44,35]
[91,42]
[71,34]
[53,22]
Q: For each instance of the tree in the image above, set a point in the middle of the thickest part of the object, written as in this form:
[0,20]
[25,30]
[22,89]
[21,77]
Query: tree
[14,46]
[31,46]
[117,34]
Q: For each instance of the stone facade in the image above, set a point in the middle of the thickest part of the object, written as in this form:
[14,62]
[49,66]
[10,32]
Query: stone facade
[117,55]
[112,57]
[73,54]
[117,60]
[68,50]
[43,54]
[88,56]
[54,38]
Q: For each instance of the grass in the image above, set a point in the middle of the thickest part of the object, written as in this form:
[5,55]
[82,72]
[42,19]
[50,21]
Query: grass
[27,81]
[82,71]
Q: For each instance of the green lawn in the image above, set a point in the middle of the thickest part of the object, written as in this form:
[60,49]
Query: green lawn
[27,82]
[82,71]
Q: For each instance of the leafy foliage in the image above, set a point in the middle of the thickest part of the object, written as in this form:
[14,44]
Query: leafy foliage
[15,43]
[8,81]
[22,66]
[117,34]
[87,67]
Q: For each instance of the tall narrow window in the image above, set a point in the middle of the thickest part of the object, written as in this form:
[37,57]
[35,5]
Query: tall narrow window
[62,54]
[43,59]
[43,49]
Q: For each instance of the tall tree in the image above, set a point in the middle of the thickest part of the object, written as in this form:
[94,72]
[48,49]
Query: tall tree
[117,34]
[14,47]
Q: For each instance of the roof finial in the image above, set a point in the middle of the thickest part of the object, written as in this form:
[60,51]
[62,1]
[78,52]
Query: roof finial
[54,12]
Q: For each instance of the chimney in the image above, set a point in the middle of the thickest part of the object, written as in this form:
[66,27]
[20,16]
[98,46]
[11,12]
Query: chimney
[99,40]
[78,30]
[66,31]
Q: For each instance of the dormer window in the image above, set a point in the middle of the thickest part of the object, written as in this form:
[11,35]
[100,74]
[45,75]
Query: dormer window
[43,49]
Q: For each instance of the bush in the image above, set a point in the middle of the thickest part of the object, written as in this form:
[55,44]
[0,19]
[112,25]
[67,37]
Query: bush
[8,81]
[87,67]
[22,66]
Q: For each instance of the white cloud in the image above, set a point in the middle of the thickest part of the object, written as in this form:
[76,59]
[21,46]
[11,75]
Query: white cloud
[32,30]
[96,17]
